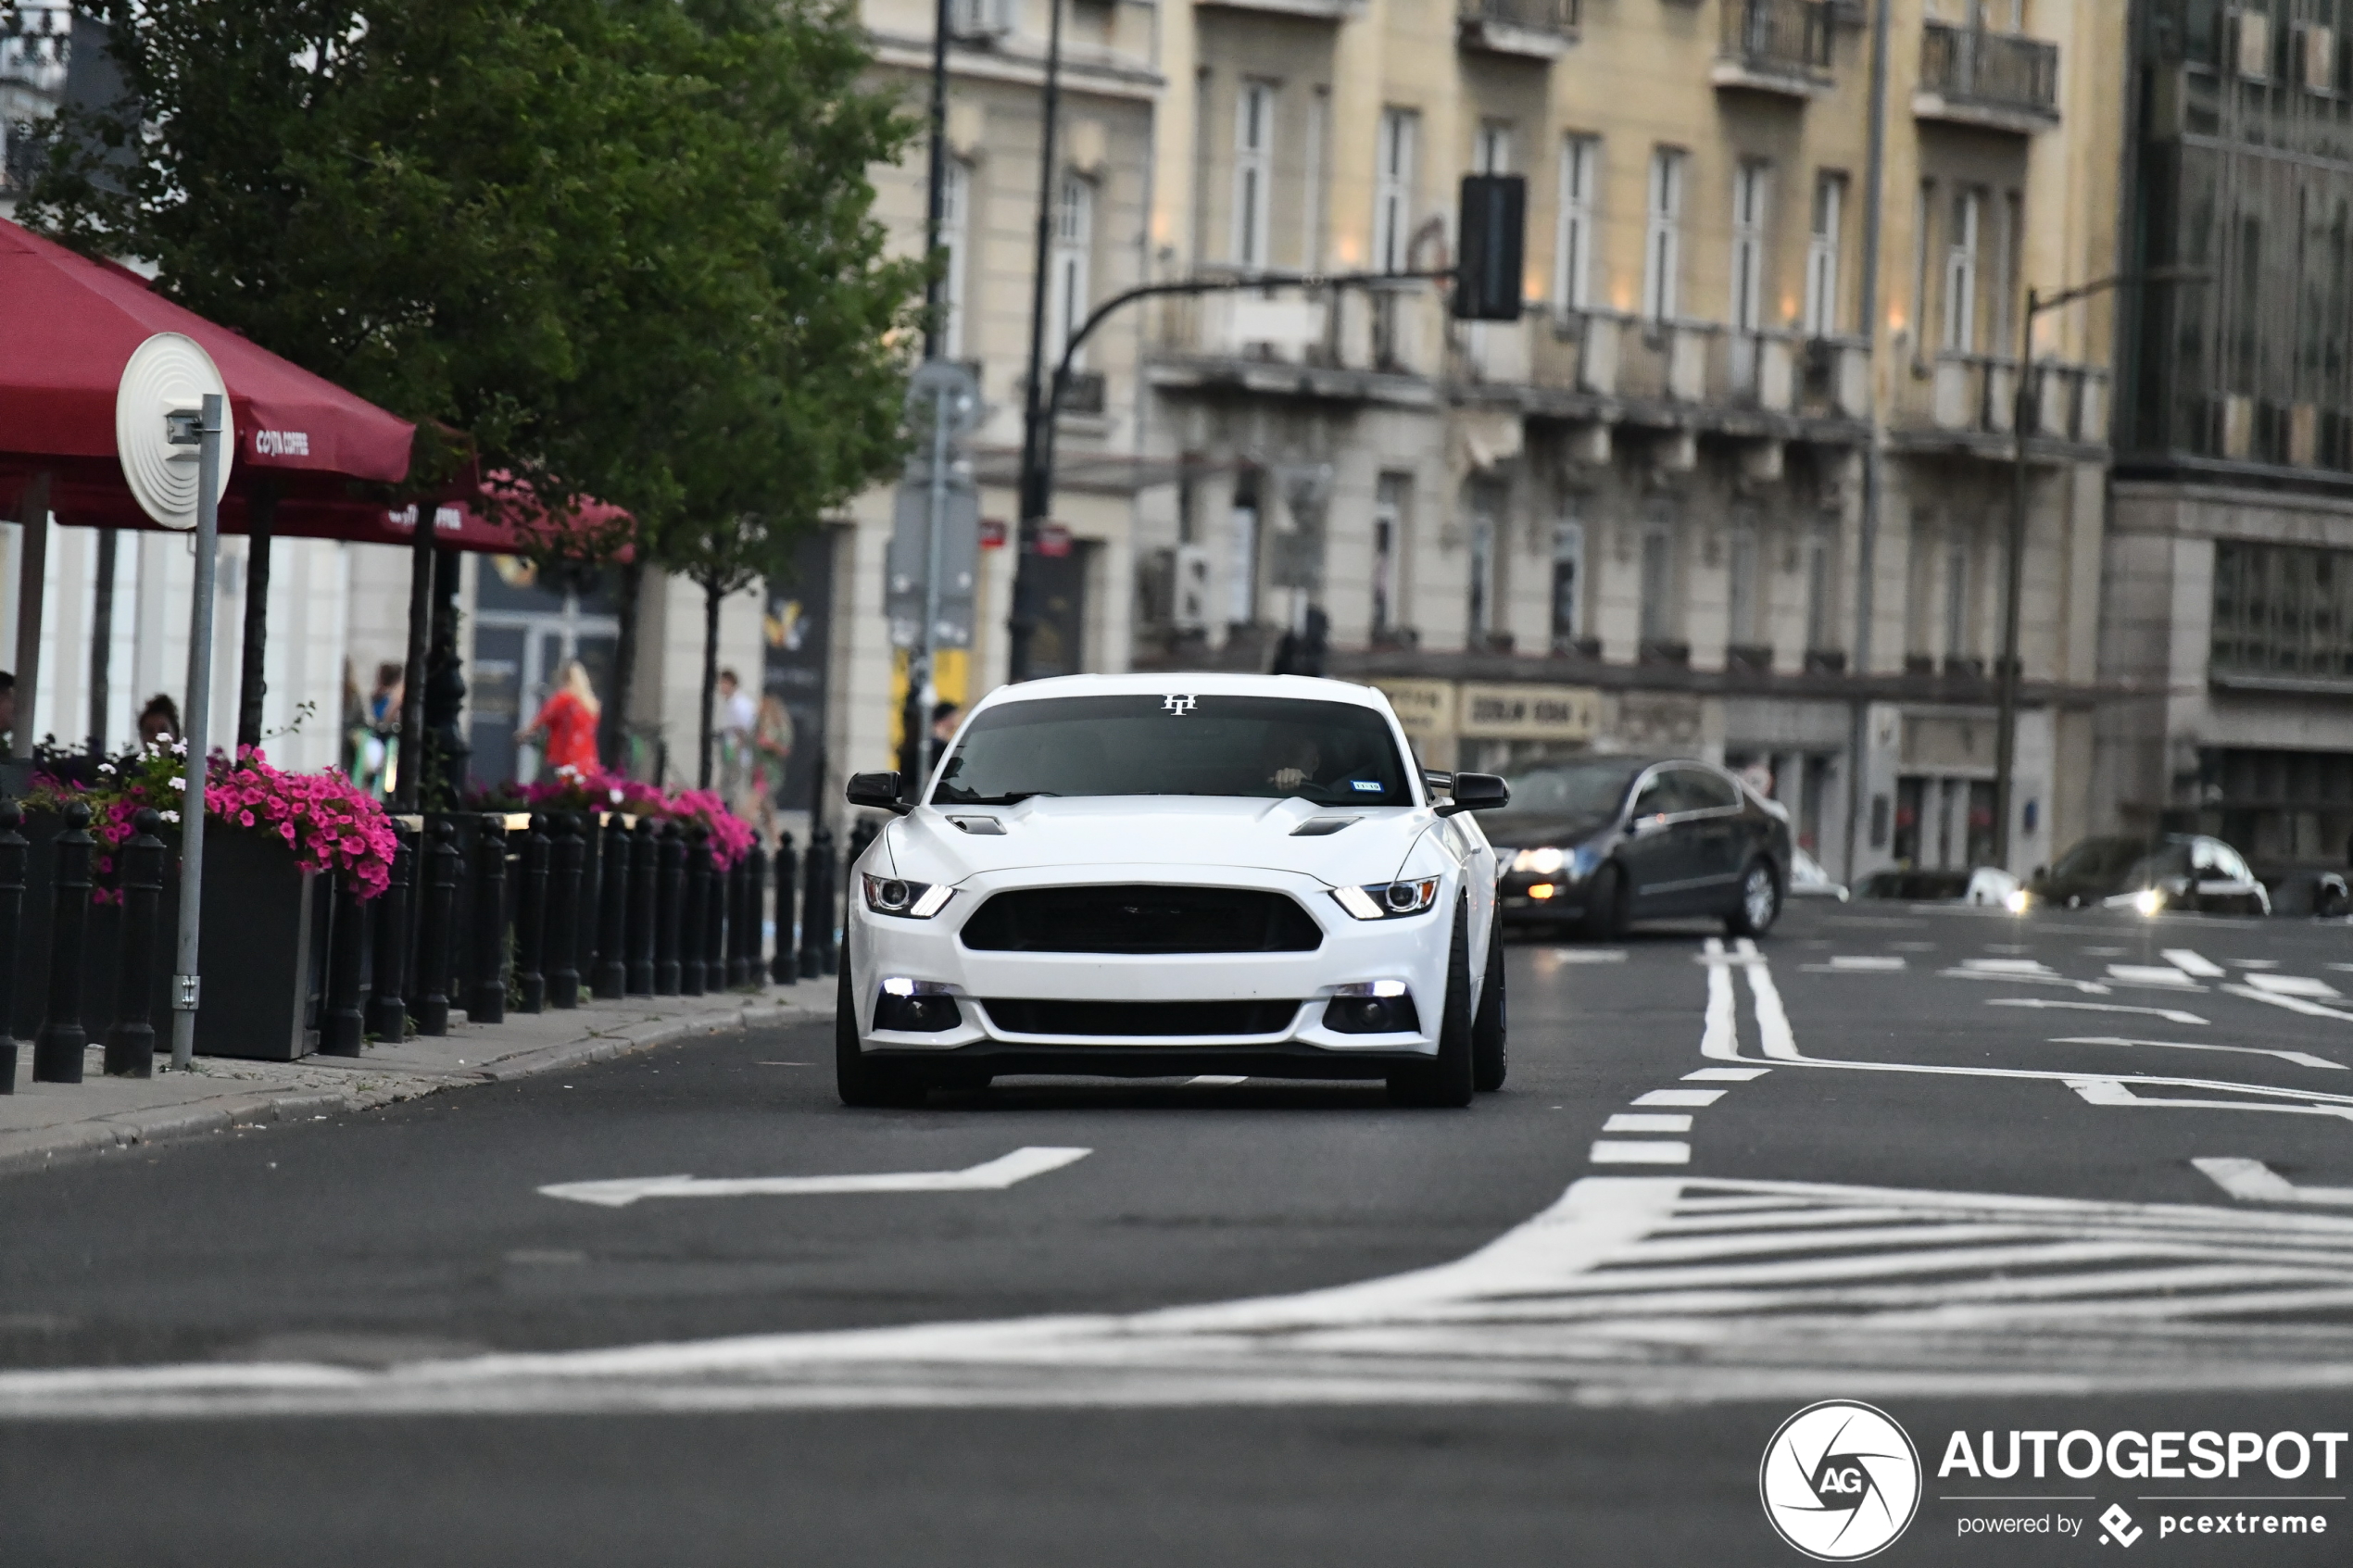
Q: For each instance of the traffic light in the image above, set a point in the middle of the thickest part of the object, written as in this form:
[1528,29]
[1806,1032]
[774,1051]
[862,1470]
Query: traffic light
[1493,226]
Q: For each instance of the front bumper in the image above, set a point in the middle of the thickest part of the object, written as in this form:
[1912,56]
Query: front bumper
[1413,950]
[1563,899]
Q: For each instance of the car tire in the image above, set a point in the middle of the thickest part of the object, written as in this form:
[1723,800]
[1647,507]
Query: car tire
[857,1081]
[1760,901]
[1445,1081]
[1607,904]
[1490,1058]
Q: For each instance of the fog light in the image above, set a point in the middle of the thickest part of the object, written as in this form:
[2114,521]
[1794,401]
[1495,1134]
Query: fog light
[1372,1007]
[917,1007]
[1542,890]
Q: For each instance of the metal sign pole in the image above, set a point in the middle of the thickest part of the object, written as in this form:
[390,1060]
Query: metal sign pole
[184,979]
[927,695]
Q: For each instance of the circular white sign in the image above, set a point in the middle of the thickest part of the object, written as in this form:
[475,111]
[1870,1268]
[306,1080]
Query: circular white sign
[166,375]
[1840,1480]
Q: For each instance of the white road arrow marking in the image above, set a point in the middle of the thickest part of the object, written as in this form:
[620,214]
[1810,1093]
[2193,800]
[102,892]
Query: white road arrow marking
[2254,1182]
[2301,1059]
[2170,1015]
[2192,962]
[2020,970]
[2112,1091]
[2294,1004]
[993,1175]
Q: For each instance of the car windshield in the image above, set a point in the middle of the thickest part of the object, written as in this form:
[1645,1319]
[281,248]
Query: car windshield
[2100,861]
[1331,753]
[1575,789]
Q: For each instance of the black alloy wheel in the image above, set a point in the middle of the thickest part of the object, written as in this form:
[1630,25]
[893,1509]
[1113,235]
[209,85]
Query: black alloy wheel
[857,1080]
[1490,1058]
[1445,1081]
[1608,904]
[1760,903]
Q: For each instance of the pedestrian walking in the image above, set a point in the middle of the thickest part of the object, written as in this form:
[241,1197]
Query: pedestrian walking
[569,721]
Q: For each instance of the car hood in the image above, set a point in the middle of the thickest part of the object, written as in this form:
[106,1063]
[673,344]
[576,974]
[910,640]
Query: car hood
[1149,830]
[1527,830]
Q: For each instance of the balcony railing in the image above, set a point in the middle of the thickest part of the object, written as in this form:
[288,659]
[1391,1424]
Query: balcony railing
[1536,29]
[1975,395]
[1990,79]
[1776,46]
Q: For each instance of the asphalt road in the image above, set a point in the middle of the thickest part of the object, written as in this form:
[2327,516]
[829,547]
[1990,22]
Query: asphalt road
[1927,1163]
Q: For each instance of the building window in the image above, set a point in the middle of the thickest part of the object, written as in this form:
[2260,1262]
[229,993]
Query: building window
[1241,557]
[2283,610]
[1074,251]
[1959,630]
[2006,261]
[1752,198]
[1487,506]
[1492,154]
[1663,242]
[1568,582]
[1580,174]
[1742,589]
[1254,173]
[955,206]
[1658,583]
[1820,634]
[1311,238]
[1919,587]
[1391,496]
[1393,190]
[1923,209]
[1960,272]
[1821,255]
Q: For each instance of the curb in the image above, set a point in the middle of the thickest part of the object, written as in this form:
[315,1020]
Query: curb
[44,1147]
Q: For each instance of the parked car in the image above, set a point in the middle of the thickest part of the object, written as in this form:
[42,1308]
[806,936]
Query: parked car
[1599,843]
[2307,890]
[1973,885]
[1808,879]
[2184,872]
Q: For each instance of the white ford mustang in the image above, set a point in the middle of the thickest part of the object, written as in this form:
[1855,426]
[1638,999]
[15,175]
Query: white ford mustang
[1147,875]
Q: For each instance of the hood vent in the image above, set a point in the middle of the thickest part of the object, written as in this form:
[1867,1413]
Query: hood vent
[1322,827]
[986,827]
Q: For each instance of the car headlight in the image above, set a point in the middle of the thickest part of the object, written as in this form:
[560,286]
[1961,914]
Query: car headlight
[2019,901]
[1543,862]
[2149,901]
[1388,900]
[909,900]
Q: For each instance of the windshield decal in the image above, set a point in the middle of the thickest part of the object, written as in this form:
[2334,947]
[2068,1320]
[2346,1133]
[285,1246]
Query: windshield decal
[1178,706]
[1369,787]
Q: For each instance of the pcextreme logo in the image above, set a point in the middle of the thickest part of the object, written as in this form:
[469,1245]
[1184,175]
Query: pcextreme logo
[1841,1481]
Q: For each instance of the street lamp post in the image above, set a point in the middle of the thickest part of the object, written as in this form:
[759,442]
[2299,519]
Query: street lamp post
[1037,407]
[2025,408]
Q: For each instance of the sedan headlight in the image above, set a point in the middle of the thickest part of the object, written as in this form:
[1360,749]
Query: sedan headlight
[909,900]
[1388,900]
[1543,862]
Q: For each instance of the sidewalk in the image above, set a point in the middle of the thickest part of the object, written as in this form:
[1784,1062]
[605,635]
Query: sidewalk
[44,1123]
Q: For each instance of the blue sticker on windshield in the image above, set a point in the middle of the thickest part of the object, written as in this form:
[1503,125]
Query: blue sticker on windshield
[1370,787]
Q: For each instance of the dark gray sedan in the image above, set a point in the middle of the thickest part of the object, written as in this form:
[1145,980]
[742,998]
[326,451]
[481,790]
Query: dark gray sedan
[1599,843]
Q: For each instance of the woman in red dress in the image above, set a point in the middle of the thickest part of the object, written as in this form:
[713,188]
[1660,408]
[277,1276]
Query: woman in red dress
[569,720]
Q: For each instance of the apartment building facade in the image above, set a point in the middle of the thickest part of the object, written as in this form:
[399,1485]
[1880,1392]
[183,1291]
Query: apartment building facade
[2231,546]
[1695,499]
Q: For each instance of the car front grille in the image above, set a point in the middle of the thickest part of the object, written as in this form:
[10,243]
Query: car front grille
[1141,918]
[1025,1016]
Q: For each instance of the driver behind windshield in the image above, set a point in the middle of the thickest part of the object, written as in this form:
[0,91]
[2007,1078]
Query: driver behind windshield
[1291,758]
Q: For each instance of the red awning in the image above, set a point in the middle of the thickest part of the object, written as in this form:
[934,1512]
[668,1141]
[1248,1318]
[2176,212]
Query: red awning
[71,326]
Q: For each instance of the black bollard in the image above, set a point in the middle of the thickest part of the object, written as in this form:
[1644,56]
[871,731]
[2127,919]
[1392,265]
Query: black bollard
[817,904]
[531,918]
[13,850]
[56,1049]
[608,977]
[130,1044]
[643,852]
[487,997]
[693,911]
[669,880]
[755,910]
[718,925]
[738,883]
[343,1027]
[785,968]
[565,853]
[388,1011]
[439,903]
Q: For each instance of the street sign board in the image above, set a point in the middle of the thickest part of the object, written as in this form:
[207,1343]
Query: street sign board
[1053,540]
[908,568]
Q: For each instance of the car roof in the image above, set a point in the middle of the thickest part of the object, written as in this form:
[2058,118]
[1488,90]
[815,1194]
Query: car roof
[1190,683]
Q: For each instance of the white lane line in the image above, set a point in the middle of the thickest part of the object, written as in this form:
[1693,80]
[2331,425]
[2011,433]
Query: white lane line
[2110,1091]
[2256,964]
[2026,972]
[1772,1021]
[1637,1152]
[1858,963]
[1589,955]
[2301,1059]
[2254,1182]
[1725,1074]
[1720,1033]
[992,1176]
[1214,1081]
[2293,985]
[2192,962]
[1695,1098]
[1641,1121]
[2294,1004]
[2170,1015]
[2165,976]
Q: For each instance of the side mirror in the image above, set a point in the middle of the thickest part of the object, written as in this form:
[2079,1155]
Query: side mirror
[1655,822]
[1477,792]
[877,790]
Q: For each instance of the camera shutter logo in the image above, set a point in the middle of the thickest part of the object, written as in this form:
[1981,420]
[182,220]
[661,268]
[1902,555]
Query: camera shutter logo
[1841,1481]
[2117,1526]
[1180,706]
